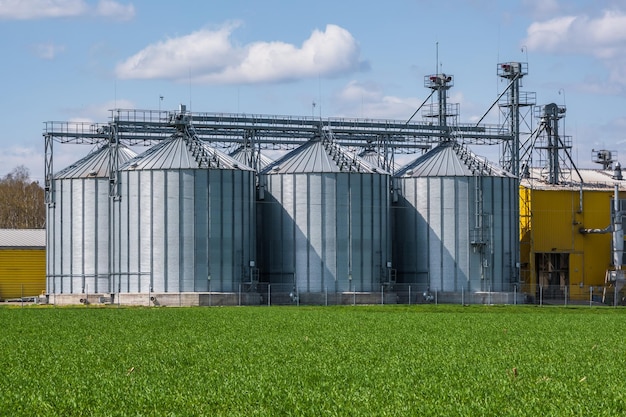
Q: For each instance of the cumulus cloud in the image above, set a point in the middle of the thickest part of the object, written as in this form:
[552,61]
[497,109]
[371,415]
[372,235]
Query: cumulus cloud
[602,37]
[49,9]
[209,56]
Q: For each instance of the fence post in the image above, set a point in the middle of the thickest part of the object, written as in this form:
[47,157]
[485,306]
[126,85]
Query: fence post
[436,296]
[566,296]
[541,295]
[590,296]
[462,296]
[382,295]
[239,295]
[409,295]
[514,294]
[326,296]
[269,295]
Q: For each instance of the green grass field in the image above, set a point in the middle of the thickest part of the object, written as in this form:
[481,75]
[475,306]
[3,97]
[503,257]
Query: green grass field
[313,361]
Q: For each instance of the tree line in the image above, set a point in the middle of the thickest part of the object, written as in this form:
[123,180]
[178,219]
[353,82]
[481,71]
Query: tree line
[22,203]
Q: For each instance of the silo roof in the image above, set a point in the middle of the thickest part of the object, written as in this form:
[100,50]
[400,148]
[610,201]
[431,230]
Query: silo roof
[451,159]
[319,156]
[376,159]
[184,152]
[243,154]
[96,163]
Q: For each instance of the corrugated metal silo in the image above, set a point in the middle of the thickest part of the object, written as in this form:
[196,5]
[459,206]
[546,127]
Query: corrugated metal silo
[324,220]
[185,222]
[78,225]
[454,222]
[245,155]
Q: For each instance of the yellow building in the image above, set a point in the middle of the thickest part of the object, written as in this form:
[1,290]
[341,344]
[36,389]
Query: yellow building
[557,252]
[22,262]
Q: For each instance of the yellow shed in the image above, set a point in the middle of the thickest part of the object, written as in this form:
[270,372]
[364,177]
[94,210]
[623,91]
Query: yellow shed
[556,252]
[22,262]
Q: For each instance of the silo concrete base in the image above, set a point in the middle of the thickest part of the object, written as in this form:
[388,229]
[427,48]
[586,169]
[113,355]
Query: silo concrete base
[183,299]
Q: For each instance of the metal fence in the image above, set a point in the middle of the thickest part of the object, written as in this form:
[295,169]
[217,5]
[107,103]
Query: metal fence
[265,294]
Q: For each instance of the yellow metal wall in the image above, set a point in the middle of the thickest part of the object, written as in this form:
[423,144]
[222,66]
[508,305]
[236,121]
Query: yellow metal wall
[550,222]
[22,272]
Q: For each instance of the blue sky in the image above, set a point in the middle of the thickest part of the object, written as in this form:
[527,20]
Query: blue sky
[73,60]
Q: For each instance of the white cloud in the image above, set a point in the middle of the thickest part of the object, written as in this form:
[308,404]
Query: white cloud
[367,100]
[48,51]
[602,37]
[115,10]
[209,56]
[48,9]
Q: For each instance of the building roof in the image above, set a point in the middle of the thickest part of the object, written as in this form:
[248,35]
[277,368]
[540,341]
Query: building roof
[320,156]
[592,179]
[22,238]
[451,159]
[95,164]
[183,152]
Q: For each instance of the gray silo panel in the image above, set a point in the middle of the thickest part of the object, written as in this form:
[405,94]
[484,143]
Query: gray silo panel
[145,230]
[329,229]
[66,233]
[159,232]
[434,215]
[134,232]
[302,213]
[78,203]
[462,249]
[186,230]
[315,232]
[201,231]
[421,236]
[343,226]
[171,221]
[227,236]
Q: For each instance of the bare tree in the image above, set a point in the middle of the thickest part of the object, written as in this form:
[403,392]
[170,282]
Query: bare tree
[21,201]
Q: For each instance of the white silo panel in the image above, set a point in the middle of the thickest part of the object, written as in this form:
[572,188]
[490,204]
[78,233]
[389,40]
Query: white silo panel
[186,231]
[134,231]
[301,216]
[77,231]
[422,229]
[159,232]
[343,226]
[172,219]
[329,228]
[317,219]
[88,249]
[145,232]
[124,233]
[435,218]
[448,226]
[102,239]
[201,230]
[466,209]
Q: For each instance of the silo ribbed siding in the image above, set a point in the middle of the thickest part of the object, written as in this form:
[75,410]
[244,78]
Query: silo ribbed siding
[438,240]
[176,226]
[321,226]
[78,259]
[324,219]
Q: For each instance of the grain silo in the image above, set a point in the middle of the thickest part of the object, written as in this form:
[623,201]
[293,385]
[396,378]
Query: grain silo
[78,228]
[455,223]
[324,220]
[185,222]
[254,159]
